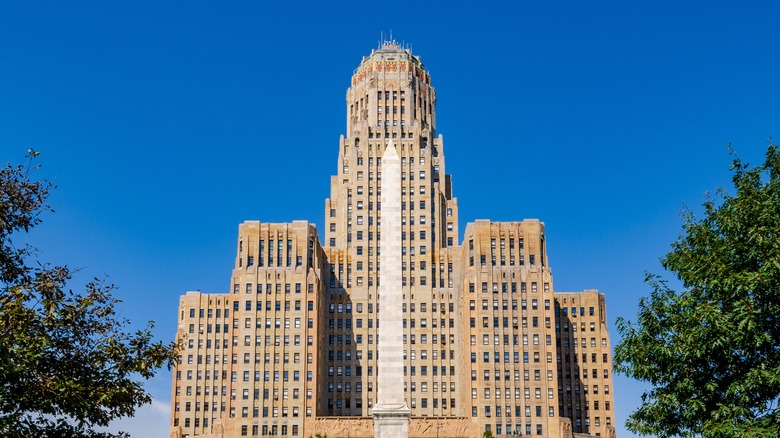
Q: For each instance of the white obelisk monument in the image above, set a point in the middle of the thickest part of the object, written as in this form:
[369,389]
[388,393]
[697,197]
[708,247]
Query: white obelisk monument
[391,414]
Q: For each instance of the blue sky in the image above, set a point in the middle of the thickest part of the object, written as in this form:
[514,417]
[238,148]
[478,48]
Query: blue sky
[165,125]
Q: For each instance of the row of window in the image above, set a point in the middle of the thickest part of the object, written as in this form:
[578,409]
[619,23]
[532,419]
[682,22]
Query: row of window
[516,357]
[423,339]
[359,236]
[507,287]
[423,308]
[502,256]
[594,373]
[584,343]
[378,162]
[347,323]
[272,430]
[593,357]
[271,305]
[505,304]
[565,310]
[267,412]
[282,257]
[421,175]
[424,370]
[505,323]
[395,109]
[347,355]
[387,133]
[387,95]
[244,410]
[234,360]
[574,326]
[506,372]
[208,313]
[275,323]
[245,395]
[507,393]
[508,430]
[405,281]
[276,340]
[436,402]
[508,413]
[246,375]
[596,422]
[435,339]
[424,386]
[424,323]
[269,288]
[422,221]
[497,339]
[217,329]
[247,358]
[387,122]
[584,387]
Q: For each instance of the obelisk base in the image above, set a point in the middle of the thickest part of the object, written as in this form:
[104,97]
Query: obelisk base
[391,421]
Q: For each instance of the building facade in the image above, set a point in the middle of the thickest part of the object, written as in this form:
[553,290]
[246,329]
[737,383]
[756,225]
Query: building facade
[291,350]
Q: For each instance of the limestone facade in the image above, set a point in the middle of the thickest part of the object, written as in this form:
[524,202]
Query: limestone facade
[507,303]
[251,360]
[292,348]
[584,361]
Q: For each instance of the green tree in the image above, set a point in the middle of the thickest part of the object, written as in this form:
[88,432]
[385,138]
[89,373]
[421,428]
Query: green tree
[67,364]
[711,352]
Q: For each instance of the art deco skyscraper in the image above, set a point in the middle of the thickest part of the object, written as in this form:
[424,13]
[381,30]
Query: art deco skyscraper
[487,343]
[391,99]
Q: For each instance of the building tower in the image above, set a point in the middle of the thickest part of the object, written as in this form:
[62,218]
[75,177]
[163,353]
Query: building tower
[507,302]
[391,99]
[249,359]
[486,344]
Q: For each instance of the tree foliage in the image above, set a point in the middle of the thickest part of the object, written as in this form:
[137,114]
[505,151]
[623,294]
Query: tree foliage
[711,352]
[67,365]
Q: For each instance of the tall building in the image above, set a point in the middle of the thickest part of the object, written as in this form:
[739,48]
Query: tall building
[291,350]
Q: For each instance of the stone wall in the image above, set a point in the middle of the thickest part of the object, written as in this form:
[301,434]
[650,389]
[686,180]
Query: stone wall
[354,427]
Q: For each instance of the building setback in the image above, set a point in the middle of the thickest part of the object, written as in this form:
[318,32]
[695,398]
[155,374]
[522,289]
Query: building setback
[291,350]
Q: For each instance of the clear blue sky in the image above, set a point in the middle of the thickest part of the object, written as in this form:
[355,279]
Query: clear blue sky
[166,124]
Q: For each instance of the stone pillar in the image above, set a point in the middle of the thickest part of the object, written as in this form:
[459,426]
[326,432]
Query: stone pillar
[391,414]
